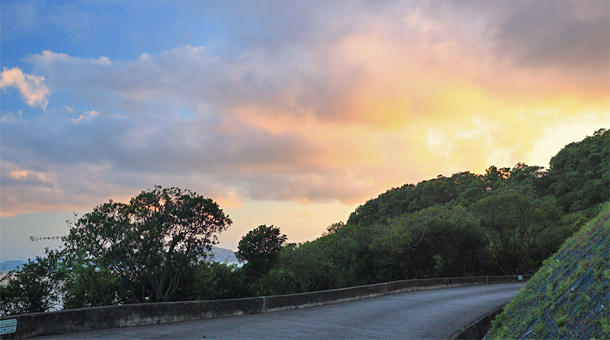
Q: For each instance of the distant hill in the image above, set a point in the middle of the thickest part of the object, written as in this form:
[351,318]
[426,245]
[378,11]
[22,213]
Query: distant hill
[223,255]
[220,255]
[569,297]
[6,266]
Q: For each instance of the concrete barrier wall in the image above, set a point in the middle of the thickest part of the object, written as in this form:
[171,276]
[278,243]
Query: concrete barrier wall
[303,300]
[84,319]
[479,328]
[409,285]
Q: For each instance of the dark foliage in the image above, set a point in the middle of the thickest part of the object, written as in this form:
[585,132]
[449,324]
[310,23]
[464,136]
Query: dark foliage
[579,173]
[259,248]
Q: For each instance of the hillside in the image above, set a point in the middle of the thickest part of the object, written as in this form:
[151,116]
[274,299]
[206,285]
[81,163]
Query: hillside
[569,295]
[223,255]
[7,266]
[220,255]
[506,221]
[578,178]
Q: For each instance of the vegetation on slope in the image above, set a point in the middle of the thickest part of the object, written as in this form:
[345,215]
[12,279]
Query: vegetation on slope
[569,296]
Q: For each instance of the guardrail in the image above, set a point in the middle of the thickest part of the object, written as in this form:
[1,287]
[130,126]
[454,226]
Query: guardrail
[86,319]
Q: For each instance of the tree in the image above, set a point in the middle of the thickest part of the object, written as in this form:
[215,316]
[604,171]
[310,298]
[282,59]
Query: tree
[147,244]
[32,288]
[438,241]
[259,248]
[494,176]
[216,280]
[578,174]
[516,225]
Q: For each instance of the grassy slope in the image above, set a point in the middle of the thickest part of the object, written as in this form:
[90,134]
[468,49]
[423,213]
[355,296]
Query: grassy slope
[569,297]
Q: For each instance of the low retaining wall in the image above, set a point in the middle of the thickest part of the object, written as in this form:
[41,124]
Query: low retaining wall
[479,328]
[84,319]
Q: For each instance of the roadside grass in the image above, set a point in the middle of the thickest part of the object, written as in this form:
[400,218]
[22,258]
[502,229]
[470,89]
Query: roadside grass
[569,296]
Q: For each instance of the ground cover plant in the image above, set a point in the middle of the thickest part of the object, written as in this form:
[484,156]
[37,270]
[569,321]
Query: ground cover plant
[569,296]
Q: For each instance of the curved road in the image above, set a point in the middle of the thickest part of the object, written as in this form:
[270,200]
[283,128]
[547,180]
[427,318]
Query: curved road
[413,315]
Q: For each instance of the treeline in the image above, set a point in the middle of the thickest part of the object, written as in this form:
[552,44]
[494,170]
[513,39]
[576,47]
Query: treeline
[506,221]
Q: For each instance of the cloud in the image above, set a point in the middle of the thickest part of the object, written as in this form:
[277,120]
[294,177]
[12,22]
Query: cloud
[32,88]
[12,173]
[307,104]
[560,33]
[87,114]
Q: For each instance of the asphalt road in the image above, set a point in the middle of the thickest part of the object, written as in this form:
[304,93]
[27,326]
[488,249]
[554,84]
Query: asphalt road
[435,314]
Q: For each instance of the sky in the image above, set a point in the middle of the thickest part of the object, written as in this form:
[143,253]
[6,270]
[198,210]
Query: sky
[286,113]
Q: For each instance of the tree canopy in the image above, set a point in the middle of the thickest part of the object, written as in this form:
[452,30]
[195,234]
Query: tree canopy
[259,248]
[148,243]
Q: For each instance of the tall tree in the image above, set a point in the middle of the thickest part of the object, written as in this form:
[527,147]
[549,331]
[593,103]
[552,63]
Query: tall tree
[259,248]
[149,243]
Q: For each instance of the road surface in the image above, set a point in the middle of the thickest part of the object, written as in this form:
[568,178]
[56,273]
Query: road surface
[413,315]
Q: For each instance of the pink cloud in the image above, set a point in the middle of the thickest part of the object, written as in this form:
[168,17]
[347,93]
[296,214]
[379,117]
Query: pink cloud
[32,88]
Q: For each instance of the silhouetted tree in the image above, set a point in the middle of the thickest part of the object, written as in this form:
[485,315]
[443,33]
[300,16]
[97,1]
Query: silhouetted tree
[259,248]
